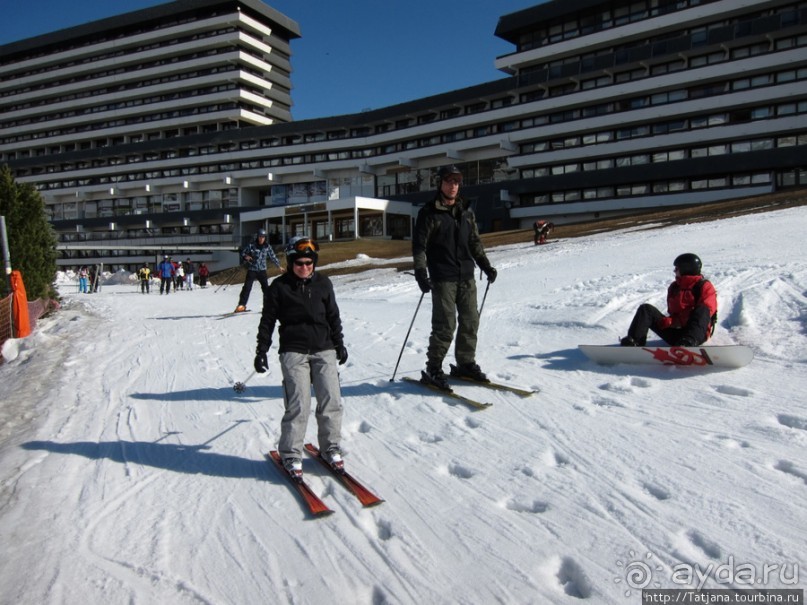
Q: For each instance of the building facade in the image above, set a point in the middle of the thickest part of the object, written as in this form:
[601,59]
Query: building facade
[170,130]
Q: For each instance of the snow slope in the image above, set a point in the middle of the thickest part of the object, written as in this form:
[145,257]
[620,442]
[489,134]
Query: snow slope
[133,473]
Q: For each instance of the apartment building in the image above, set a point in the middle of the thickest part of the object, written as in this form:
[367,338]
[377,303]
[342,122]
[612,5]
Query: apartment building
[170,130]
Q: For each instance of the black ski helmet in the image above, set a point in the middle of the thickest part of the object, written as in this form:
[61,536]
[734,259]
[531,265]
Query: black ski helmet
[261,233]
[446,171]
[688,264]
[301,247]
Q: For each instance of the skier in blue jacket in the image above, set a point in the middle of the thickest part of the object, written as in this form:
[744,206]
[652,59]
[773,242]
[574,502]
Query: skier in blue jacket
[254,255]
[166,272]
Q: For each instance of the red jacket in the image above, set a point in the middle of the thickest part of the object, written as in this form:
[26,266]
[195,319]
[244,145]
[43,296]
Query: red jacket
[681,300]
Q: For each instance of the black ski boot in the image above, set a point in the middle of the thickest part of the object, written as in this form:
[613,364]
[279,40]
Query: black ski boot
[469,371]
[434,375]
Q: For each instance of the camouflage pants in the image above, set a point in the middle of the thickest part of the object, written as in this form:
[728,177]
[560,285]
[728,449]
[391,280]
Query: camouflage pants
[453,307]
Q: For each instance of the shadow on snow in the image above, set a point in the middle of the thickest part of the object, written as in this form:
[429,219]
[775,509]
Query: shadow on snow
[188,459]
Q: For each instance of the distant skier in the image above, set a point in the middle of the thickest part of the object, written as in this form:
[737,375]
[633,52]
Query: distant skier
[204,273]
[83,277]
[691,309]
[189,268]
[93,276]
[165,271]
[542,230]
[254,256]
[179,276]
[144,274]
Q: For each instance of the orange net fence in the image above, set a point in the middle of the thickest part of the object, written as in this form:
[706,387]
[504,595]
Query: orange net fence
[36,309]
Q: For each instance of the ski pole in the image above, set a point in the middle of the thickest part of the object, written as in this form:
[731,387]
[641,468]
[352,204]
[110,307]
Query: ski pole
[484,296]
[422,294]
[240,387]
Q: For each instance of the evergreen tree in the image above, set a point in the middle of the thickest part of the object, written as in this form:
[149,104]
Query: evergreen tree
[31,240]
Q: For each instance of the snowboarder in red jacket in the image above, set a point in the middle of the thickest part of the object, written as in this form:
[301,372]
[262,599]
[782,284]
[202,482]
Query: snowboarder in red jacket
[542,230]
[691,309]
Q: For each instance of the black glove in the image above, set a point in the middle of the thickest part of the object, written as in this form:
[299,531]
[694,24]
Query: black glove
[491,273]
[484,265]
[261,363]
[341,354]
[423,280]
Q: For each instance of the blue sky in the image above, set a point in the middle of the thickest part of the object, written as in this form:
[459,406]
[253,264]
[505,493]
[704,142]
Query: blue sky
[353,54]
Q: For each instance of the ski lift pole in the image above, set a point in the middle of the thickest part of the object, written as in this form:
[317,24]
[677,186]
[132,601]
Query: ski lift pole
[6,253]
[395,371]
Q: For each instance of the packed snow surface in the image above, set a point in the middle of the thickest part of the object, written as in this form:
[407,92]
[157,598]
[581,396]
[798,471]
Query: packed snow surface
[133,473]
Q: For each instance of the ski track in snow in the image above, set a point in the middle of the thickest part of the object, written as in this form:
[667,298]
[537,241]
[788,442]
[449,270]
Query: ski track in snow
[133,473]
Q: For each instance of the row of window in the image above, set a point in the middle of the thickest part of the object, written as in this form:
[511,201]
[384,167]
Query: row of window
[658,187]
[140,233]
[212,199]
[671,155]
[712,58]
[697,122]
[651,53]
[129,32]
[588,22]
[117,69]
[173,95]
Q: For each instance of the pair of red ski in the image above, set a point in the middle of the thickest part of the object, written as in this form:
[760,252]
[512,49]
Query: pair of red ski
[315,505]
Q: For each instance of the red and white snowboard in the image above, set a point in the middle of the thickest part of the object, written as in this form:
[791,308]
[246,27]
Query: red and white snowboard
[728,356]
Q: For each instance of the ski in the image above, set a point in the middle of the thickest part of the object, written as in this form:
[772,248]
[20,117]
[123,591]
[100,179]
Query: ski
[365,496]
[491,385]
[317,507]
[479,405]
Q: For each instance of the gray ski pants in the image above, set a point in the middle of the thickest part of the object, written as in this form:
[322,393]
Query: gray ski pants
[300,372]
[453,302]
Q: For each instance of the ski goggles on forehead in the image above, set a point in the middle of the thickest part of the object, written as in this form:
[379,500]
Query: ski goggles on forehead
[305,245]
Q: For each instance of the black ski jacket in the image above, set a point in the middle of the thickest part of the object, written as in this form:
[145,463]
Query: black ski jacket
[307,313]
[446,241]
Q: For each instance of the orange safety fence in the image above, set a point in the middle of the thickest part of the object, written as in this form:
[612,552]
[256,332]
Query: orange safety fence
[36,309]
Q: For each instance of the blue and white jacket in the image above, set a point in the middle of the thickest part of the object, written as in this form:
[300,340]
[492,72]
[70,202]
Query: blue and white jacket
[258,254]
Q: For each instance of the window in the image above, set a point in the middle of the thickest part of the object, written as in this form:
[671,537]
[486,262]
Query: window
[666,68]
[627,76]
[762,145]
[749,51]
[670,96]
[669,156]
[565,169]
[709,59]
[595,82]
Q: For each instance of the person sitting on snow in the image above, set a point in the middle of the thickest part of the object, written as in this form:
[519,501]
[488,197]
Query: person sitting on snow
[542,230]
[691,309]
